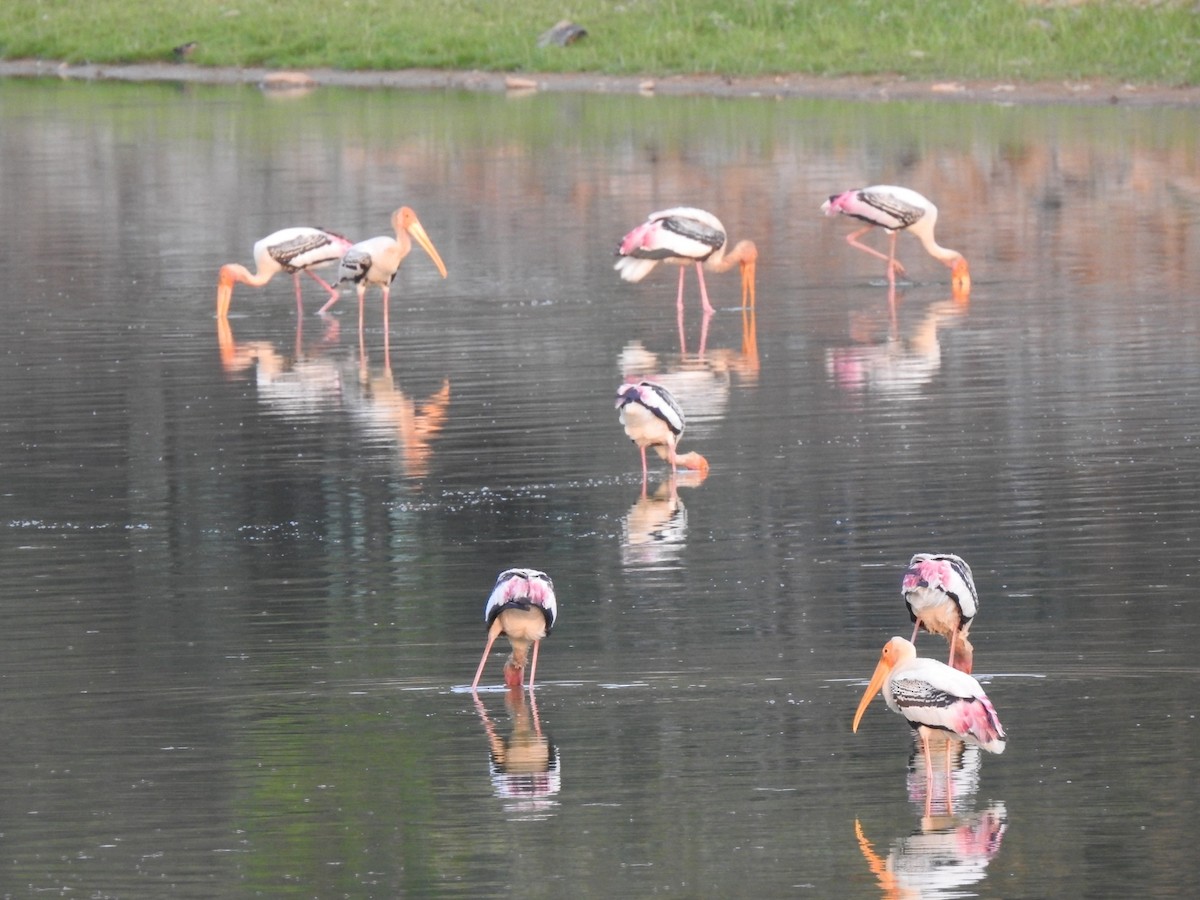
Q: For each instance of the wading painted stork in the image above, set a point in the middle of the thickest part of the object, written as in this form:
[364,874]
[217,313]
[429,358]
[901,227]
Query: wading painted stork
[681,237]
[377,260]
[652,418]
[897,209]
[522,607]
[933,697]
[941,598]
[291,250]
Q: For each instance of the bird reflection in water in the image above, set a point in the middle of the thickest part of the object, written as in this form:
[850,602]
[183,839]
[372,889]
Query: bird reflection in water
[383,409]
[311,379]
[525,767]
[955,771]
[942,858]
[898,366]
[295,386]
[655,528]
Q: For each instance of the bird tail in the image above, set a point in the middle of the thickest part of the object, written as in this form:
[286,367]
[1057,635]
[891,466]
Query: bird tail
[634,269]
[354,266]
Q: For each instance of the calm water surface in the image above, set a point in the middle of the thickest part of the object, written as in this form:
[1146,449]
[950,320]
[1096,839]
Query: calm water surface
[244,566]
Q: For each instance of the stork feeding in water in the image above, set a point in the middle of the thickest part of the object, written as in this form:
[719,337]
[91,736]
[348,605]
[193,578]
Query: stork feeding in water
[523,608]
[897,209]
[291,250]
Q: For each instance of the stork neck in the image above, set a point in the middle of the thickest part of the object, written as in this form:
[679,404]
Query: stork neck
[742,252]
[936,250]
[235,273]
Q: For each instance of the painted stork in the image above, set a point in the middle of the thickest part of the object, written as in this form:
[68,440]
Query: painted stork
[940,594]
[291,250]
[933,697]
[652,418]
[681,237]
[377,260]
[897,209]
[522,607]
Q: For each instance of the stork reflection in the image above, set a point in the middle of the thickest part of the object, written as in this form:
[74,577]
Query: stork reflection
[314,379]
[525,766]
[941,858]
[955,765]
[900,364]
[293,386]
[655,528]
[384,410]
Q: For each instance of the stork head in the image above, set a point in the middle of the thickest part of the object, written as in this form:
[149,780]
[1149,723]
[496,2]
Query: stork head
[694,461]
[514,675]
[960,278]
[746,253]
[895,651]
[404,219]
[226,279]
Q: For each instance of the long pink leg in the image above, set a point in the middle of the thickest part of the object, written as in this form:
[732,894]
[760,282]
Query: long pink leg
[679,296]
[299,304]
[362,296]
[950,746]
[334,296]
[928,773]
[387,331]
[916,628]
[708,308]
[682,336]
[533,664]
[852,240]
[892,306]
[893,265]
[704,333]
[537,725]
[492,635]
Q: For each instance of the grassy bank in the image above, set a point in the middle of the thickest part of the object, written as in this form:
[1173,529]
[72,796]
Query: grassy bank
[1139,41]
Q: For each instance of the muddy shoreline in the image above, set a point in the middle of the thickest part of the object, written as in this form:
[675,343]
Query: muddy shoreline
[880,88]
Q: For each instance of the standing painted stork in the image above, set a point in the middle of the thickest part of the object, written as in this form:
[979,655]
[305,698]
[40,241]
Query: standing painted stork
[652,418]
[940,594]
[897,209]
[291,250]
[523,608]
[683,236]
[933,697]
[377,260]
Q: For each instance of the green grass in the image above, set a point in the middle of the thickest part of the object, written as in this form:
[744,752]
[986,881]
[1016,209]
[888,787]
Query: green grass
[1139,41]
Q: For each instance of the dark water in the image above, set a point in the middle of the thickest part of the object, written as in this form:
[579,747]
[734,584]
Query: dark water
[244,568]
